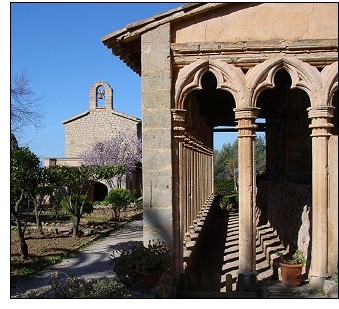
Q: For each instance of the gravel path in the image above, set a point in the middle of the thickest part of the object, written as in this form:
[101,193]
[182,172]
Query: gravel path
[93,262]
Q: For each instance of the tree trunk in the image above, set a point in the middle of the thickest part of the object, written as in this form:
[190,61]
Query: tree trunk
[76,223]
[38,222]
[23,244]
[15,213]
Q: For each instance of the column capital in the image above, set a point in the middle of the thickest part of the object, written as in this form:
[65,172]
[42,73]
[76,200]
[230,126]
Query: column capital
[246,112]
[320,120]
[246,121]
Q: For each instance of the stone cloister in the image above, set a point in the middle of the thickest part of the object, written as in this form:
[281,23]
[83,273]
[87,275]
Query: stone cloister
[276,75]
[194,140]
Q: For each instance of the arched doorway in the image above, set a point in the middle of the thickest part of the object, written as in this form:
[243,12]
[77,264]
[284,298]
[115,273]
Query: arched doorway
[100,191]
[284,192]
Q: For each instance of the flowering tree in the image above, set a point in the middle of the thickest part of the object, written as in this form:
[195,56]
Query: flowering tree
[123,150]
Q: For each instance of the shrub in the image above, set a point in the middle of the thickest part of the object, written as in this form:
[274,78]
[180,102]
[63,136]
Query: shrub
[229,202]
[133,262]
[223,187]
[93,288]
[119,199]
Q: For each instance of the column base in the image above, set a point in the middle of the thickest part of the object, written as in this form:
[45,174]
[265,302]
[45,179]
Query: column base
[247,281]
[319,279]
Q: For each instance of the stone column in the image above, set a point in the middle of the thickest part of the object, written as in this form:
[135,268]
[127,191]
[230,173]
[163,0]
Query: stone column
[246,138]
[320,125]
[179,194]
[157,135]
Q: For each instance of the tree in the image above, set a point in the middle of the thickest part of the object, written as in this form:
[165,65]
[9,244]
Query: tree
[226,159]
[227,154]
[260,155]
[119,199]
[109,172]
[46,183]
[123,150]
[75,181]
[25,109]
[24,170]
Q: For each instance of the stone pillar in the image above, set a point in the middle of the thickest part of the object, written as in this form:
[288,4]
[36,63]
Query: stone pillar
[246,138]
[179,194]
[157,136]
[320,125]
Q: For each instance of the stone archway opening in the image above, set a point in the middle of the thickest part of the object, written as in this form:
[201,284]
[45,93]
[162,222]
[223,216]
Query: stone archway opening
[208,109]
[284,191]
[275,95]
[99,191]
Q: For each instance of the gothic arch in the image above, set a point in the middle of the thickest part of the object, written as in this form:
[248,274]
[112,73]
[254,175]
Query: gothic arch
[303,75]
[329,76]
[228,77]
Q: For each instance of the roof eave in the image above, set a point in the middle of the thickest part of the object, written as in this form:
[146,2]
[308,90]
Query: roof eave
[119,40]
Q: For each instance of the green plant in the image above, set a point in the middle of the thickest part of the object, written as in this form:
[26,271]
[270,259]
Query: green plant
[27,271]
[133,262]
[93,288]
[297,257]
[54,259]
[229,202]
[119,199]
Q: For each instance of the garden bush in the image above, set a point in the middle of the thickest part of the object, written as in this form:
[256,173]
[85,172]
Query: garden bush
[119,199]
[130,263]
[93,288]
[223,187]
[229,202]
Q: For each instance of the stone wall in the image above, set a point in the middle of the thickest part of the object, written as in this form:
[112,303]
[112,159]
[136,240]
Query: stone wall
[286,206]
[95,126]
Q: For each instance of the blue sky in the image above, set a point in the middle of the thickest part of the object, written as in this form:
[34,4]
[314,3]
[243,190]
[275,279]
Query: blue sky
[59,44]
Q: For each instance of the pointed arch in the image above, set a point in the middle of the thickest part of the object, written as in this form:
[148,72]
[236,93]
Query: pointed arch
[228,77]
[303,75]
[329,76]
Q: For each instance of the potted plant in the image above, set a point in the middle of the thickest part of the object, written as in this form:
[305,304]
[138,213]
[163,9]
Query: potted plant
[140,266]
[291,269]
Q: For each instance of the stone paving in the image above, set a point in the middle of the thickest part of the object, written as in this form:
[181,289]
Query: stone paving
[224,233]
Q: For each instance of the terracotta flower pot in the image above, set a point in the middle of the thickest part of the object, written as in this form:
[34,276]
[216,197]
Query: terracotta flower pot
[291,273]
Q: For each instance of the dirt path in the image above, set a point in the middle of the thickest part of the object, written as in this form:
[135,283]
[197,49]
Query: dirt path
[93,262]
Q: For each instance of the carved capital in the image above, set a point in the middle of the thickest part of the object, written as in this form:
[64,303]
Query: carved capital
[320,120]
[246,121]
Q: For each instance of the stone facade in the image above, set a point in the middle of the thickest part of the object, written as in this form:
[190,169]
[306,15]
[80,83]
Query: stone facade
[227,64]
[98,124]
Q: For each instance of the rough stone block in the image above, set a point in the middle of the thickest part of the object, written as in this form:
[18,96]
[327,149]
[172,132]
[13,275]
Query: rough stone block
[156,138]
[156,160]
[158,118]
[158,225]
[160,80]
[155,99]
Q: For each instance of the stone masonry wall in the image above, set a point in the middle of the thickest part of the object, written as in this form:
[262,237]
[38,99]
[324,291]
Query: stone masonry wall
[287,207]
[96,126]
